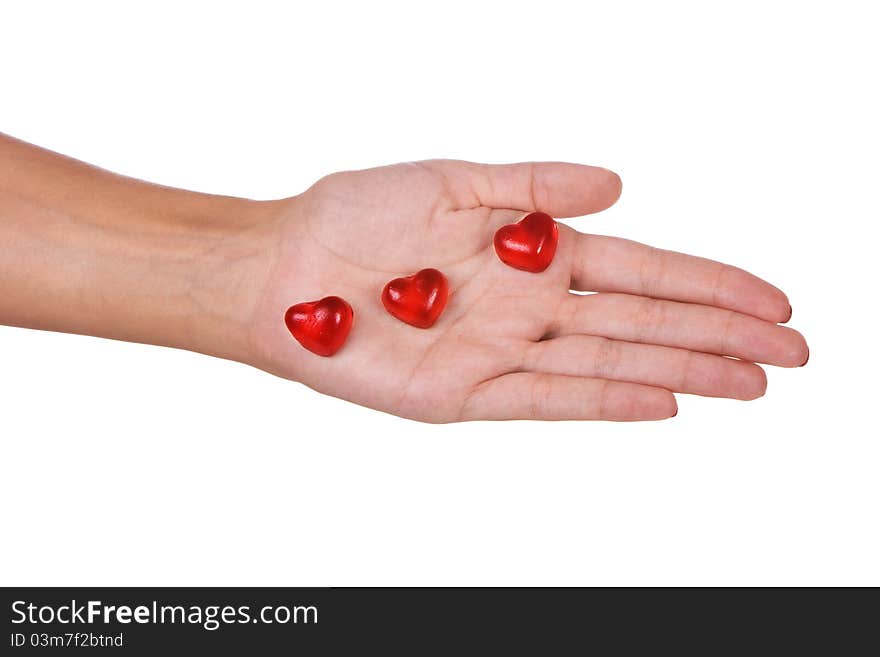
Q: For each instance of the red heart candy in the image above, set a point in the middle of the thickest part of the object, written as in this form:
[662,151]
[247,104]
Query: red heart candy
[320,326]
[418,299]
[530,244]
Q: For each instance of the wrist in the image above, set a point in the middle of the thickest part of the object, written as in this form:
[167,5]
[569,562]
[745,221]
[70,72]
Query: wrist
[222,261]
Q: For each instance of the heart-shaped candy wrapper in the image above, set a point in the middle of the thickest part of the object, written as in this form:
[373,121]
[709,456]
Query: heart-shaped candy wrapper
[529,244]
[320,326]
[418,299]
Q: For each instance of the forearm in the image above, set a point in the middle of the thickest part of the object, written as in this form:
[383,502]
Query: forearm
[85,251]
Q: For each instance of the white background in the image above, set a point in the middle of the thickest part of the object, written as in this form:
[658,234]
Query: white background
[746,134]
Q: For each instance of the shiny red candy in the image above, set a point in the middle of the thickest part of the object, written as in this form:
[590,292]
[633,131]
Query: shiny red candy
[320,326]
[418,299]
[530,244]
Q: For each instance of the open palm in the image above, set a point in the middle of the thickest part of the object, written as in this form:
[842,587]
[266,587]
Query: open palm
[511,344]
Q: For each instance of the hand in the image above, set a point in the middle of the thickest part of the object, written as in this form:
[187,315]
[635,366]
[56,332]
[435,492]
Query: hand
[511,344]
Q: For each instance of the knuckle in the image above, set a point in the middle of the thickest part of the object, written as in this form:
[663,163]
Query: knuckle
[602,401]
[607,358]
[652,270]
[541,396]
[648,315]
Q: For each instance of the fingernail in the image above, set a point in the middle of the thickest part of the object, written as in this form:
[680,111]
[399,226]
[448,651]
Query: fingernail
[808,358]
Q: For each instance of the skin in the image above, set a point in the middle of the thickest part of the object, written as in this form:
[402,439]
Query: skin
[85,251]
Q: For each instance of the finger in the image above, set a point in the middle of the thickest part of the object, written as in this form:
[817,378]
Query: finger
[684,325]
[678,370]
[539,396]
[557,188]
[611,264]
